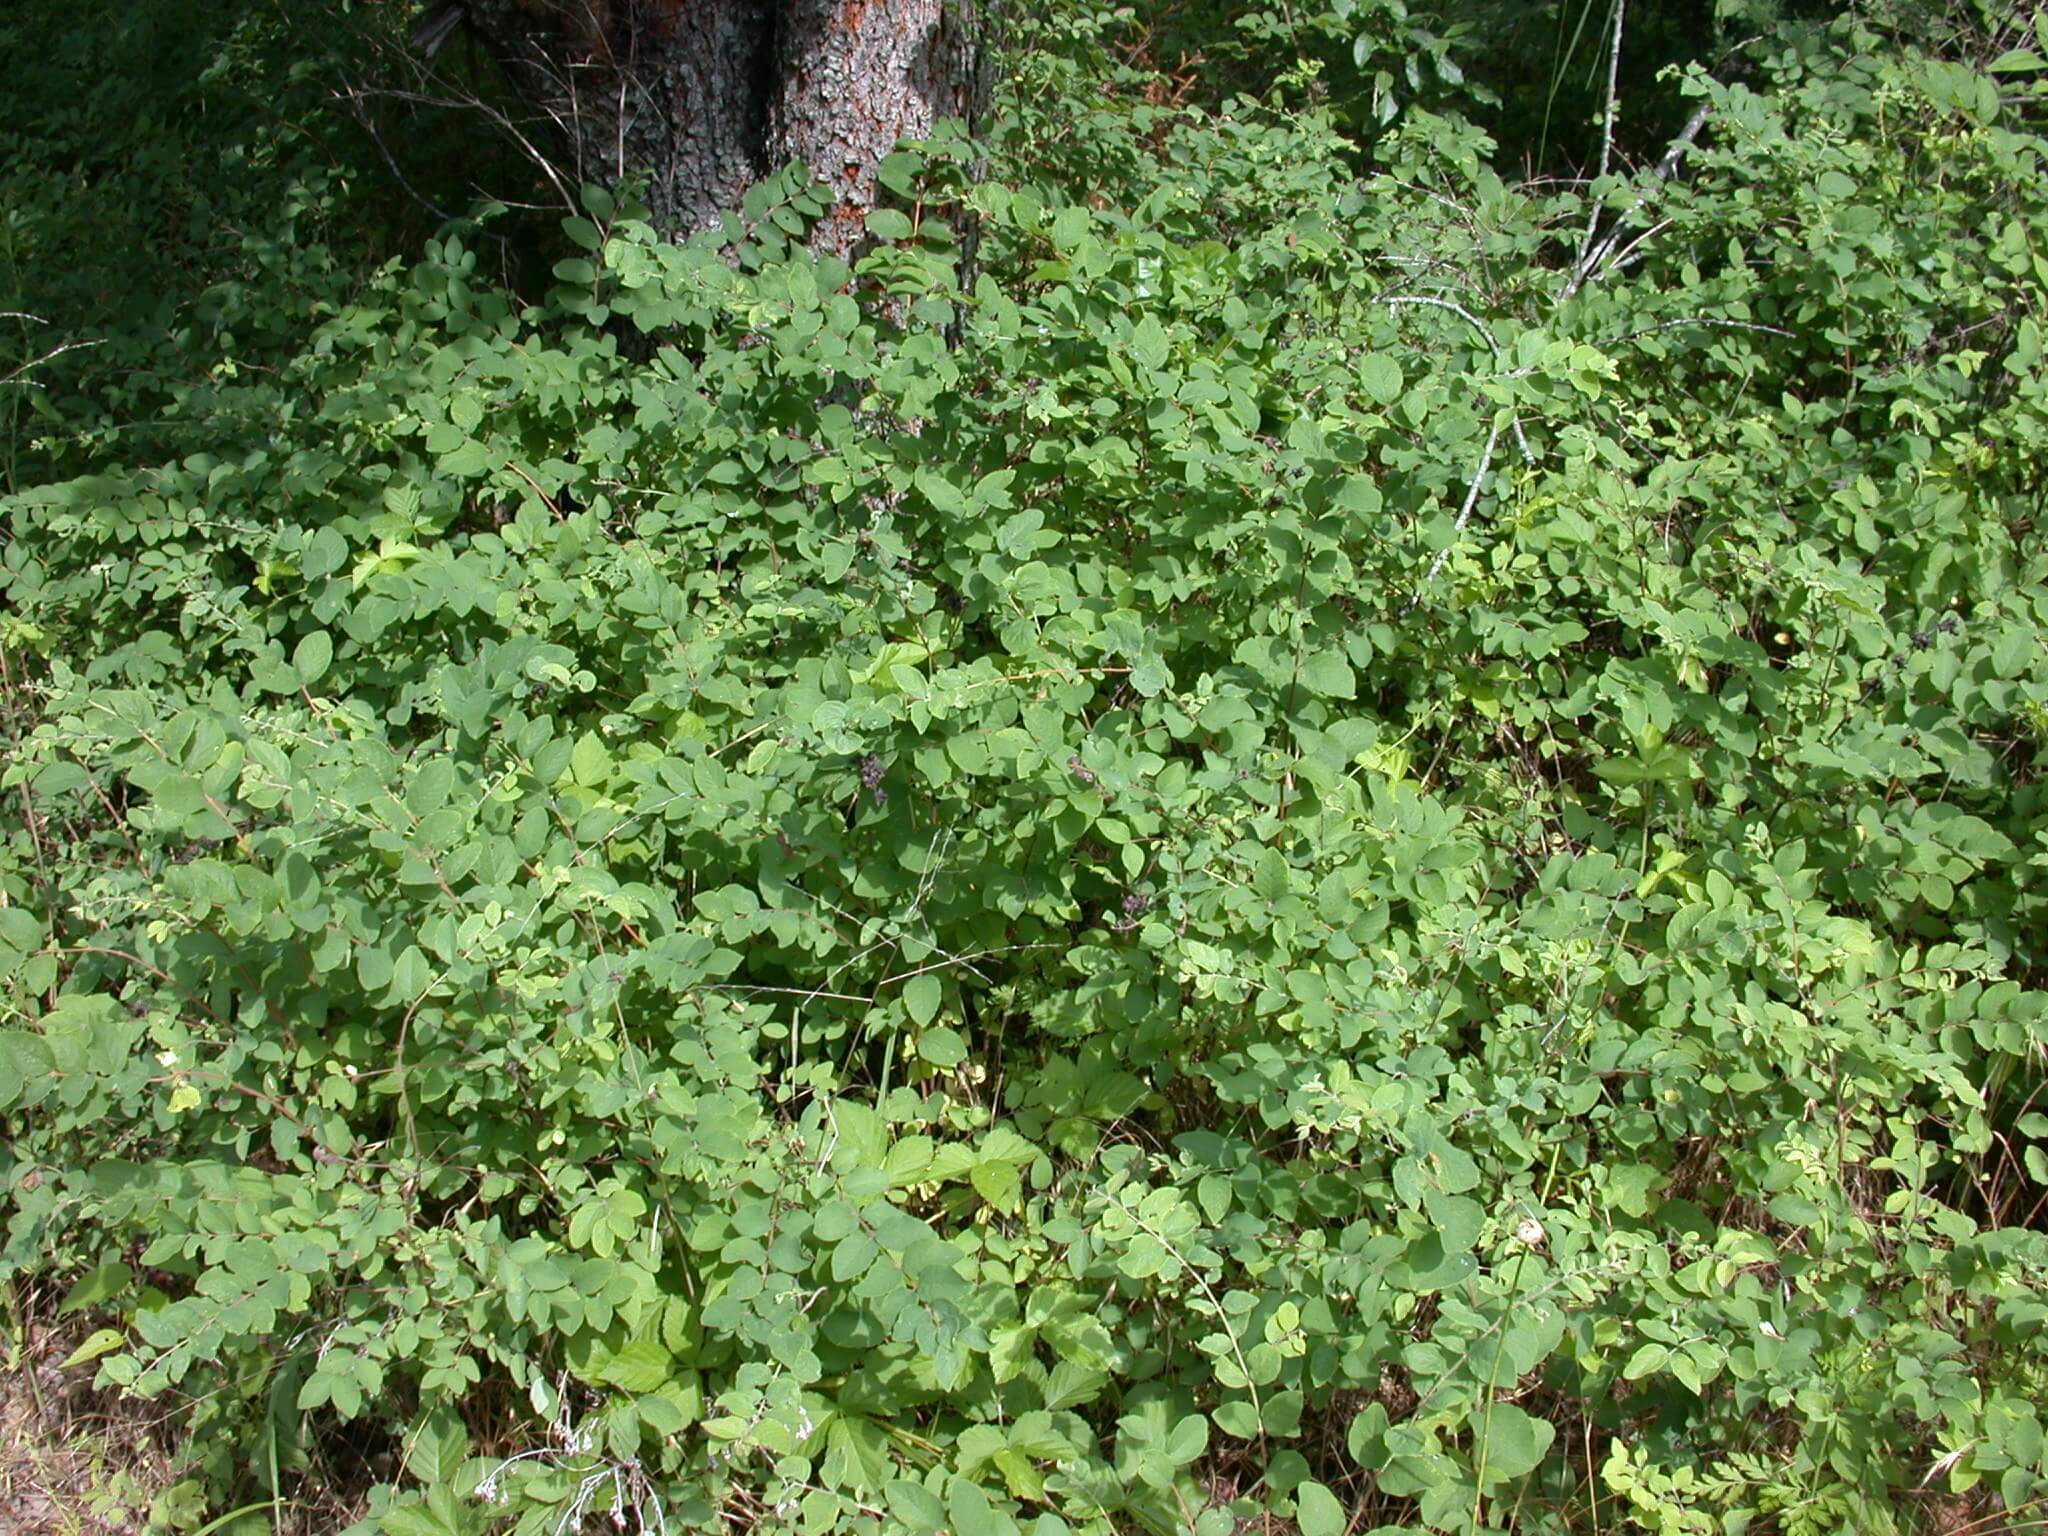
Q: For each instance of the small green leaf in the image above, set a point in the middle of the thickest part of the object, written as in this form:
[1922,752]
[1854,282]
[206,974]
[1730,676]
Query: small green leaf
[1237,1418]
[942,1047]
[1645,1361]
[1317,1511]
[99,1342]
[312,656]
[921,995]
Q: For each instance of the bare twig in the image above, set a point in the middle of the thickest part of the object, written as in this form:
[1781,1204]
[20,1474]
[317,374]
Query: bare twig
[1595,257]
[353,96]
[1580,267]
[1668,166]
[497,119]
[37,362]
[1464,514]
[1707,320]
[1485,335]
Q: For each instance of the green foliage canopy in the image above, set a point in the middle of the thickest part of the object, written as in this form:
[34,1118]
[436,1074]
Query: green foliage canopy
[1311,843]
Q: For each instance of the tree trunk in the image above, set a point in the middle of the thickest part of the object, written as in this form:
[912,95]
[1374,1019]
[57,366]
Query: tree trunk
[707,96]
[856,77]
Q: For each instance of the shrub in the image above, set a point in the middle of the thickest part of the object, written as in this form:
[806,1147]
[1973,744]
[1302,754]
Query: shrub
[1347,867]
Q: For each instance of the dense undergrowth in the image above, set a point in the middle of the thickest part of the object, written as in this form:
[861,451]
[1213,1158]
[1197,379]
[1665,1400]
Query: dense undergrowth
[1347,842]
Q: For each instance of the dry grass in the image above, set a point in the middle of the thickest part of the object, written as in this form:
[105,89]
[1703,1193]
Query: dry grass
[74,1462]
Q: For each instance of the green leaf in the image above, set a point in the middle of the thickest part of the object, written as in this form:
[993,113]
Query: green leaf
[1270,877]
[312,656]
[999,1183]
[942,1047]
[590,763]
[915,1506]
[99,1342]
[1148,343]
[1508,1442]
[1238,1418]
[1646,1361]
[95,1286]
[640,1365]
[1380,377]
[1457,1219]
[1317,1512]
[1329,675]
[921,996]
[1795,1210]
[436,1446]
[436,1514]
[326,553]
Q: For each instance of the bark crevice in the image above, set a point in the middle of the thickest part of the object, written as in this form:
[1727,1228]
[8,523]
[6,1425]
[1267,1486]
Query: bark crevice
[706,97]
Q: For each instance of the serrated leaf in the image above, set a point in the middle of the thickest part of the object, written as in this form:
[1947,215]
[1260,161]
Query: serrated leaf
[1270,877]
[436,1447]
[915,1506]
[999,1183]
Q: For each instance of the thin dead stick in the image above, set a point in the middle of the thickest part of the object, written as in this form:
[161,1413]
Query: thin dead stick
[1708,320]
[1595,258]
[1579,267]
[1485,335]
[356,110]
[37,362]
[1464,513]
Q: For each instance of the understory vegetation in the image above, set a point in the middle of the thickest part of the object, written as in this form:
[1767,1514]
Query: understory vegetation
[1321,812]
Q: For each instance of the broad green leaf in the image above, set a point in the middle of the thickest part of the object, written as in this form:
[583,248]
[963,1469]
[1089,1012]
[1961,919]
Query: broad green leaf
[1329,675]
[1317,1511]
[1508,1442]
[921,996]
[95,1286]
[436,1447]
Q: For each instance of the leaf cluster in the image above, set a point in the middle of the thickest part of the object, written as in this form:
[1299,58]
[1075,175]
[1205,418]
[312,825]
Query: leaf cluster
[1352,849]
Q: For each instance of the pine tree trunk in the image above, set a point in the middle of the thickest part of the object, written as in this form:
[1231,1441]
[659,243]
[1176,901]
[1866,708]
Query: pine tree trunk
[700,125]
[707,96]
[856,77]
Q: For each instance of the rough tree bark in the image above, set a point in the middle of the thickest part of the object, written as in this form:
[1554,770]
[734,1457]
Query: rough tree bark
[707,96]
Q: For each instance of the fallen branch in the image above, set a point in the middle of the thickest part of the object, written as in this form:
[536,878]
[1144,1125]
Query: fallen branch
[1464,514]
[1595,253]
